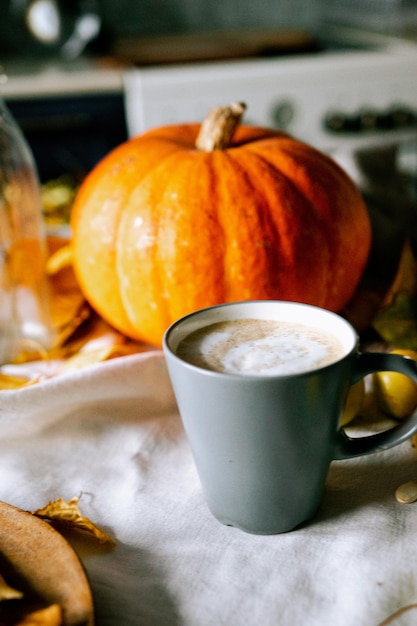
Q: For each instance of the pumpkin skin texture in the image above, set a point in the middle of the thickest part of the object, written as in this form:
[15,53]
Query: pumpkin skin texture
[161,228]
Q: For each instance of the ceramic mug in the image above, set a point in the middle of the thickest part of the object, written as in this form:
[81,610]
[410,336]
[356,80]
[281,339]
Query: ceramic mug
[262,444]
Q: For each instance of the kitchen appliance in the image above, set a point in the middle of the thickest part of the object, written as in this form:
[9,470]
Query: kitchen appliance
[355,90]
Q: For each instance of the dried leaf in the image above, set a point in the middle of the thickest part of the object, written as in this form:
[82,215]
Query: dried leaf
[397,322]
[405,280]
[68,316]
[30,350]
[49,616]
[60,259]
[69,308]
[86,358]
[57,197]
[7,592]
[95,335]
[9,381]
[68,515]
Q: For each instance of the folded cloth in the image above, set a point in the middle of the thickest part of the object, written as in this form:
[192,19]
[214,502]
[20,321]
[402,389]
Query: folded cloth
[111,434]
[122,386]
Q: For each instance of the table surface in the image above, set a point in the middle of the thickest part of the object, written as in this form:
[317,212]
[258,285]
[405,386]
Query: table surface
[111,434]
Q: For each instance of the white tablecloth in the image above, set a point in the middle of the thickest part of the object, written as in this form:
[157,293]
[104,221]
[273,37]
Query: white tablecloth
[111,433]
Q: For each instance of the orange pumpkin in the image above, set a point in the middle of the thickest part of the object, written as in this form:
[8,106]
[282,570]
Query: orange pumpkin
[184,217]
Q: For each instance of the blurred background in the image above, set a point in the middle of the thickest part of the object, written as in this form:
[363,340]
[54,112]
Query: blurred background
[81,76]
[131,18]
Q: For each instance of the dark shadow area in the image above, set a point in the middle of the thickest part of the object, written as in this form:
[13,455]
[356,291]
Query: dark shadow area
[364,481]
[129,589]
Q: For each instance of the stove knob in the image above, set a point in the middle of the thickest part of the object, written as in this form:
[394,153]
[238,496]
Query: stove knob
[340,122]
[283,114]
[368,120]
[336,121]
[396,119]
[402,117]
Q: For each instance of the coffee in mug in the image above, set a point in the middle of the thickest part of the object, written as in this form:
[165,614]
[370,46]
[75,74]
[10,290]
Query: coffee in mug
[263,429]
[260,347]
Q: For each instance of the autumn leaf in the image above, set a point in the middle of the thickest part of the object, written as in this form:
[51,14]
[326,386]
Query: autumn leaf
[49,616]
[68,515]
[60,259]
[9,381]
[397,323]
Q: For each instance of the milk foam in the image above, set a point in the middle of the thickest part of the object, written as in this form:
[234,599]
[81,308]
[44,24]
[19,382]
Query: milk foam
[259,347]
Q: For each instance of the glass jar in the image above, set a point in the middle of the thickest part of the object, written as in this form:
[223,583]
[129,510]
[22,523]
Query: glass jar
[25,322]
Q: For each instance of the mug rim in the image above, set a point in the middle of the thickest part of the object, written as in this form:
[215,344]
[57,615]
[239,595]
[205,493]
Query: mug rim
[186,322]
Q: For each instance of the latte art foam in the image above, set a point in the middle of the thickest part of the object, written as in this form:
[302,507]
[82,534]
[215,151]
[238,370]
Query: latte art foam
[259,347]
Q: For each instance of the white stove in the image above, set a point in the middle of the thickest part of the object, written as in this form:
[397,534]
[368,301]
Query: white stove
[359,93]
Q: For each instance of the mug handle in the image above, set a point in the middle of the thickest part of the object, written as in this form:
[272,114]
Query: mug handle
[367,363]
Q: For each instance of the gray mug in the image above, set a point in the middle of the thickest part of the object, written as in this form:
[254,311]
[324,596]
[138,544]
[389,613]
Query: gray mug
[262,445]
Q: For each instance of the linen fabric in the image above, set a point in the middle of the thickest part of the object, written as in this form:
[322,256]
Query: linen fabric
[111,434]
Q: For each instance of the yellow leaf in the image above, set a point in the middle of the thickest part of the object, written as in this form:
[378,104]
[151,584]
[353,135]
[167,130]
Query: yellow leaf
[8,381]
[68,305]
[49,616]
[405,280]
[62,257]
[396,323]
[91,357]
[68,515]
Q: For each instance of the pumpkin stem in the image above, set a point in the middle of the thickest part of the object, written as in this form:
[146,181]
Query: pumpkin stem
[217,130]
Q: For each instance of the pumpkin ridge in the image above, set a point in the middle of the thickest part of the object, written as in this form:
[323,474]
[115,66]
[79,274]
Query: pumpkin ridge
[246,168]
[231,219]
[284,235]
[167,162]
[304,152]
[200,213]
[335,199]
[138,204]
[169,230]
[242,262]
[86,256]
[344,194]
[107,298]
[219,245]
